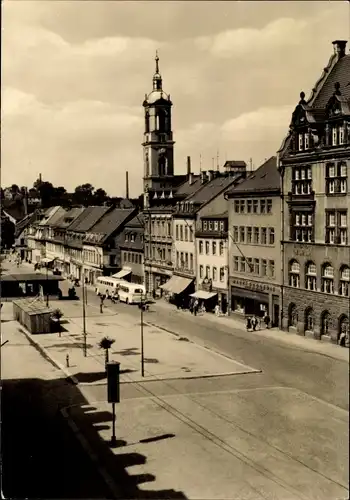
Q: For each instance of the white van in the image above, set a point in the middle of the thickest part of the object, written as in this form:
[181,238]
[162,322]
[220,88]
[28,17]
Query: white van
[131,293]
[106,285]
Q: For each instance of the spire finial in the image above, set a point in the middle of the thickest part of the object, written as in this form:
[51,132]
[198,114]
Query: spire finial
[157,62]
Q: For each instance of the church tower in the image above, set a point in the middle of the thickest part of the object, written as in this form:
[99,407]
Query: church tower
[158,144]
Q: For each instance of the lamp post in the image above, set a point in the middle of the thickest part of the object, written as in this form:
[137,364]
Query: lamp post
[47,285]
[142,350]
[84,317]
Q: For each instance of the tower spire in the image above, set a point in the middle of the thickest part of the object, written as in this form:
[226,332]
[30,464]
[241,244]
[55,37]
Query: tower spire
[157,79]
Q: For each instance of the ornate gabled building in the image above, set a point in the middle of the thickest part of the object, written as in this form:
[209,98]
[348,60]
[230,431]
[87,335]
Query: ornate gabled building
[314,163]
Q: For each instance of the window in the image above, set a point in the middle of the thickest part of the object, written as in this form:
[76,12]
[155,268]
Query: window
[327,278]
[213,247]
[301,180]
[210,225]
[132,238]
[222,226]
[341,135]
[256,235]
[207,272]
[269,206]
[336,227]
[272,268]
[242,206]
[236,263]
[336,178]
[263,206]
[207,247]
[301,142]
[181,233]
[307,141]
[221,248]
[271,236]
[235,233]
[236,206]
[222,273]
[250,265]
[249,234]
[256,266]
[242,265]
[205,225]
[186,260]
[249,206]
[310,276]
[263,235]
[215,274]
[201,271]
[191,261]
[255,206]
[334,136]
[168,229]
[302,227]
[216,225]
[182,262]
[191,233]
[242,234]
[294,273]
[200,246]
[344,282]
[264,267]
[186,233]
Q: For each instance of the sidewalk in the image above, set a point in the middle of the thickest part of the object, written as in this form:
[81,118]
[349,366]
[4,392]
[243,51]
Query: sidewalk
[166,357]
[325,348]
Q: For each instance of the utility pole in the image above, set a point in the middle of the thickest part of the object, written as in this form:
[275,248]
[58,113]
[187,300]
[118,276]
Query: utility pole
[84,317]
[141,331]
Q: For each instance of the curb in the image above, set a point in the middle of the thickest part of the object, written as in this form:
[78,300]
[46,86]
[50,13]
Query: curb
[92,455]
[45,353]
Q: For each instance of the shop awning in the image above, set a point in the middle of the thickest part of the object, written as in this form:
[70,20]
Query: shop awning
[46,260]
[203,295]
[121,274]
[176,284]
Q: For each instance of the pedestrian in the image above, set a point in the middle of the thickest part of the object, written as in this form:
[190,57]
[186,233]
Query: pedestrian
[217,310]
[249,324]
[254,323]
[101,303]
[267,320]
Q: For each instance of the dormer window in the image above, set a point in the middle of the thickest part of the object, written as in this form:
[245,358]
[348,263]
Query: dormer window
[307,141]
[126,237]
[216,225]
[210,225]
[334,136]
[341,135]
[205,225]
[132,238]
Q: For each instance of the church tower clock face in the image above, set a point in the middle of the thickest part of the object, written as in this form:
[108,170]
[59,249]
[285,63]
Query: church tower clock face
[158,137]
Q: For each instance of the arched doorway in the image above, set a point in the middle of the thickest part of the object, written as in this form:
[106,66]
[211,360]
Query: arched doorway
[309,320]
[343,331]
[292,315]
[325,323]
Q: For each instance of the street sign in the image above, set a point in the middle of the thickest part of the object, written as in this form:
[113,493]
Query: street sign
[113,392]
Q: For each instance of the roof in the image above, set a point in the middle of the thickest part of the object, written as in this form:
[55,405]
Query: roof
[212,188]
[235,163]
[186,189]
[25,222]
[67,218]
[15,211]
[340,73]
[88,218]
[265,178]
[209,215]
[52,215]
[137,221]
[109,223]
[30,277]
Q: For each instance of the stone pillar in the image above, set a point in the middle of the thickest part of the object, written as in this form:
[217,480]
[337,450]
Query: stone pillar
[300,328]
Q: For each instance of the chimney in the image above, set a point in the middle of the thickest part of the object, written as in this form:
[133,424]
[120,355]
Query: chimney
[210,175]
[339,47]
[40,179]
[25,201]
[127,185]
[188,165]
[190,178]
[203,176]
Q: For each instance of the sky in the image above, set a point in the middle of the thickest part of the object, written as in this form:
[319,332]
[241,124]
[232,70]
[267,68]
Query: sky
[74,76]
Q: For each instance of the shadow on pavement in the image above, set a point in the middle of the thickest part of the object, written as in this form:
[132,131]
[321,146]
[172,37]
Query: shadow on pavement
[69,345]
[90,377]
[41,457]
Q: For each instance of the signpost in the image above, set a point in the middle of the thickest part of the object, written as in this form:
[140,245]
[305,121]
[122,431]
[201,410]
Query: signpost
[113,393]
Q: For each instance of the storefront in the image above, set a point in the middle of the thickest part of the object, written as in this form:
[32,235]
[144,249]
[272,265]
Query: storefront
[178,290]
[252,298]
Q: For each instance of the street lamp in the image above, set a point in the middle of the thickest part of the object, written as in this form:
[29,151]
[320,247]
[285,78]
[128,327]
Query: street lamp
[142,350]
[84,317]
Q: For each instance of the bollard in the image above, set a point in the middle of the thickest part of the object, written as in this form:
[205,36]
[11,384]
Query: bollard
[67,360]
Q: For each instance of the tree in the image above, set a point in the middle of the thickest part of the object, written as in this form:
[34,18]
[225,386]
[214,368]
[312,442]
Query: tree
[106,343]
[57,315]
[47,194]
[83,195]
[14,190]
[99,196]
[7,233]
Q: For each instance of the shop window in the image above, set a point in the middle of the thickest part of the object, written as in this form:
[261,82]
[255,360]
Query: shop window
[309,319]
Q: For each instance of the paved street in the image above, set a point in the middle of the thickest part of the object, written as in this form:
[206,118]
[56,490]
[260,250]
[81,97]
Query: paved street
[243,433]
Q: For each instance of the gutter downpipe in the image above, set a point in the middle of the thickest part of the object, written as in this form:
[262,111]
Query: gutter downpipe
[281,171]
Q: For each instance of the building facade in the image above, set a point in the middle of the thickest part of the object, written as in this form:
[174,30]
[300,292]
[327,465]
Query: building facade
[132,250]
[314,162]
[254,244]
